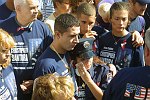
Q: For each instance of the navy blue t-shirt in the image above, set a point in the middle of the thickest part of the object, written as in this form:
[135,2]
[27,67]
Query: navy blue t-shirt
[129,84]
[8,88]
[50,62]
[120,51]
[30,43]
[5,13]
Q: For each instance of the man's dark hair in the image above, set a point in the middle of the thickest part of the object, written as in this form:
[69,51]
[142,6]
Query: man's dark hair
[64,21]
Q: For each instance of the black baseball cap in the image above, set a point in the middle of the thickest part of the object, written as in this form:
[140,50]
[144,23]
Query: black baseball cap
[83,49]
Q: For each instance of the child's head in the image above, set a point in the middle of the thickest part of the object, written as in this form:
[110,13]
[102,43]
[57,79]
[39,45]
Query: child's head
[53,87]
[83,52]
[86,14]
[6,43]
[86,9]
[119,16]
[118,6]
[104,11]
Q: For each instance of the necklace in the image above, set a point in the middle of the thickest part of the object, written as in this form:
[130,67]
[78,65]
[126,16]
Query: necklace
[66,65]
[116,41]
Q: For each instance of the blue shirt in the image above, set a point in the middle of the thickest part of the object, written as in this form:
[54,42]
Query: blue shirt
[30,43]
[102,76]
[8,88]
[46,7]
[129,84]
[50,62]
[137,24]
[2,1]
[120,51]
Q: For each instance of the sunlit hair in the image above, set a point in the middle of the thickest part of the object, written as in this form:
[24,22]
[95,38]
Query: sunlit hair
[76,3]
[50,86]
[22,2]
[118,6]
[19,2]
[104,10]
[147,37]
[86,9]
[6,41]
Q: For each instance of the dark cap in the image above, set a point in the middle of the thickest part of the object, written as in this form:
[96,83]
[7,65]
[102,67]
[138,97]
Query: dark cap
[143,1]
[83,49]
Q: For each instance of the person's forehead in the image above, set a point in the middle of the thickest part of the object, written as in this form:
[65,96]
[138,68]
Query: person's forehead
[120,12]
[75,30]
[86,17]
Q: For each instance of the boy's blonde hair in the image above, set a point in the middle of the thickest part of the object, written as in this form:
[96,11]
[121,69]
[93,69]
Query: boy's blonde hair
[6,41]
[51,86]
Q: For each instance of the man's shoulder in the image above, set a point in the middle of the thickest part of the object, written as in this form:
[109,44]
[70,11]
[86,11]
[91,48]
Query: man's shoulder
[38,22]
[105,37]
[5,13]
[8,70]
[8,21]
[10,25]
[133,71]
[137,24]
[48,56]
[40,25]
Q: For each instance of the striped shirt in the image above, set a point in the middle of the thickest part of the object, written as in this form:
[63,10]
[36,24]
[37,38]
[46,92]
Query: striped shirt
[46,8]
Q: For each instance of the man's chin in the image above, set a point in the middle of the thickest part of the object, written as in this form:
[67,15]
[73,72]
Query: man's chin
[34,19]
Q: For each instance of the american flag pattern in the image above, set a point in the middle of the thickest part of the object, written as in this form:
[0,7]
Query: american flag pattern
[140,92]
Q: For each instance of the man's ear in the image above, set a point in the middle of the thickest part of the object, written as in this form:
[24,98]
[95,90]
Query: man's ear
[18,8]
[57,34]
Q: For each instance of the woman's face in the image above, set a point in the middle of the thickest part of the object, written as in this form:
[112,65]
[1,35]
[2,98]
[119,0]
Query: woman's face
[119,20]
[87,62]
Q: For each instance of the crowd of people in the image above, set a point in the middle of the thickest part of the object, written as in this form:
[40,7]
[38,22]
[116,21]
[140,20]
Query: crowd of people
[74,50]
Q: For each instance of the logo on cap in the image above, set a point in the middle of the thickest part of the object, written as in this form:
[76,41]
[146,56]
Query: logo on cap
[86,44]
